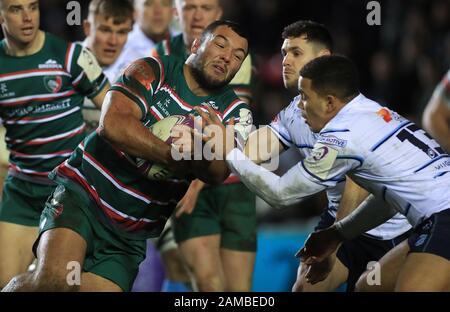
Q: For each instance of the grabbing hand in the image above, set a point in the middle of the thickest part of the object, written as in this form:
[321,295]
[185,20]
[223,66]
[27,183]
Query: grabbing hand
[187,203]
[320,245]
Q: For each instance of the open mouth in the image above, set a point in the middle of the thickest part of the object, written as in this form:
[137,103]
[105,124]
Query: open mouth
[109,52]
[27,30]
[219,68]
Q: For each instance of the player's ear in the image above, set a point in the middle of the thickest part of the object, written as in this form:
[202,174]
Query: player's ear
[331,102]
[219,13]
[323,52]
[86,28]
[195,45]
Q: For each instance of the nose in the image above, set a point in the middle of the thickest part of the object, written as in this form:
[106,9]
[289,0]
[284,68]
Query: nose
[157,8]
[198,14]
[112,39]
[286,60]
[26,16]
[226,55]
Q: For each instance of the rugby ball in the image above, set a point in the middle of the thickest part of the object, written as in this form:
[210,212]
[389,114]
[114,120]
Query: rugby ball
[161,130]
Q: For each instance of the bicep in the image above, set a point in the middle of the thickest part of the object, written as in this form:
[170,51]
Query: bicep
[115,105]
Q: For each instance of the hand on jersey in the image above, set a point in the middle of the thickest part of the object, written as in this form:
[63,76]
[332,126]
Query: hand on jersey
[219,140]
[319,246]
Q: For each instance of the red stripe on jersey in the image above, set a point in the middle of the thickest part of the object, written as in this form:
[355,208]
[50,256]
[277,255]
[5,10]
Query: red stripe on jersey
[128,223]
[31,71]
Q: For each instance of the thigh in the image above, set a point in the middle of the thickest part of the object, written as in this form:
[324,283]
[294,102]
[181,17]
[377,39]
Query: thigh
[424,272]
[238,269]
[16,255]
[202,254]
[91,282]
[384,276]
[60,257]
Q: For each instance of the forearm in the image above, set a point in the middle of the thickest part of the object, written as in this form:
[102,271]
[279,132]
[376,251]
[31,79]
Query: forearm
[262,145]
[352,197]
[372,212]
[211,172]
[128,134]
[439,128]
[276,191]
[436,121]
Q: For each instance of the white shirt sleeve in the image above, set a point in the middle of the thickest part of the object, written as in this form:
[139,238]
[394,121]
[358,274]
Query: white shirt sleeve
[324,168]
[279,124]
[276,191]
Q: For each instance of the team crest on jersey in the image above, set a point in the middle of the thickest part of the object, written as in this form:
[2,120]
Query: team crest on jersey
[53,83]
[142,72]
[321,160]
[332,140]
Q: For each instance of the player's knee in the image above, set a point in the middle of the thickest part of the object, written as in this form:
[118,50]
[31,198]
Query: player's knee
[209,282]
[53,279]
[298,286]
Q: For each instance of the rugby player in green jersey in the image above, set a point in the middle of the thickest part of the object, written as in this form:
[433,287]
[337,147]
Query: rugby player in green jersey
[106,28]
[105,207]
[217,239]
[43,83]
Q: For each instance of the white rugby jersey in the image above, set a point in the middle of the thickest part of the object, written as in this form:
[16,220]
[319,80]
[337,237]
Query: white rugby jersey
[382,151]
[291,129]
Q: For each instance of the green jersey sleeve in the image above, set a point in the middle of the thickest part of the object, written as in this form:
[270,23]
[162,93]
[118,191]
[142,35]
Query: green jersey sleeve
[140,80]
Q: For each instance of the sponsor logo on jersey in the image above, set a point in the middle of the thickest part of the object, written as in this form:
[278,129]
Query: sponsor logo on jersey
[332,140]
[53,83]
[50,64]
[385,114]
[275,119]
[4,91]
[421,240]
[163,106]
[212,104]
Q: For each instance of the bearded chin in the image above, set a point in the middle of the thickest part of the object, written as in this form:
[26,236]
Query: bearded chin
[206,82]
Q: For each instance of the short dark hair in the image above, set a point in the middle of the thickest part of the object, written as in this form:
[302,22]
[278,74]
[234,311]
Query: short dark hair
[313,31]
[332,74]
[119,10]
[233,25]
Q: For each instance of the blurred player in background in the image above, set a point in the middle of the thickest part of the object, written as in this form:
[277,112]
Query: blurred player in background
[152,24]
[436,117]
[106,29]
[43,82]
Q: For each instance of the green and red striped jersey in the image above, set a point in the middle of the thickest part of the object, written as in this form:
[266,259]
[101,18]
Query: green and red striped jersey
[40,104]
